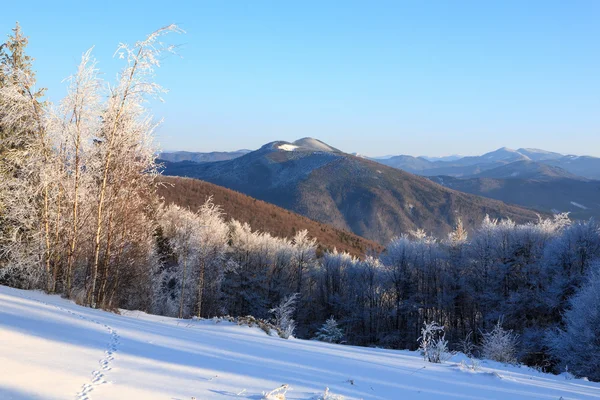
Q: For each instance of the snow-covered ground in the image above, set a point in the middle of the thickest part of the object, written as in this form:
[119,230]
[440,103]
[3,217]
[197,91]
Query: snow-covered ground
[51,348]
[579,205]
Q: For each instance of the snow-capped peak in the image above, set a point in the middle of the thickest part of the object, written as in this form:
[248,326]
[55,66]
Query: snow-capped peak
[287,147]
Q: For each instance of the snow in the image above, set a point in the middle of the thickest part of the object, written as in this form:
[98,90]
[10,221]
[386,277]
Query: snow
[287,147]
[314,144]
[51,348]
[579,205]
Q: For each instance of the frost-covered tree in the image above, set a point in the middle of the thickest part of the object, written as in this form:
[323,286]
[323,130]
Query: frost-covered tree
[283,315]
[182,228]
[25,169]
[211,250]
[124,157]
[432,343]
[330,332]
[305,249]
[500,345]
[577,344]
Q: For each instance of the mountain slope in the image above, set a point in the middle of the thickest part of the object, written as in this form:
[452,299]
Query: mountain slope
[527,170]
[586,166]
[539,155]
[348,192]
[580,198]
[177,156]
[55,349]
[264,217]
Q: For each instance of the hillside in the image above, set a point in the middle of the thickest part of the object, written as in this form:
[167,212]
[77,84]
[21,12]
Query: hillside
[177,156]
[527,169]
[55,349]
[581,198]
[260,215]
[348,192]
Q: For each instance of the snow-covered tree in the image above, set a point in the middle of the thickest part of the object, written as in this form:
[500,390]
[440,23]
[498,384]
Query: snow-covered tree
[283,315]
[576,345]
[432,343]
[330,332]
[500,345]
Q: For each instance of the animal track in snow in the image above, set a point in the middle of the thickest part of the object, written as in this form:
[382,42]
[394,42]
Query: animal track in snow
[98,377]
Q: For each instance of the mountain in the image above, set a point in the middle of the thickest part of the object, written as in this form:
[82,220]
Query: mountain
[586,166]
[527,169]
[453,157]
[411,164]
[539,155]
[308,143]
[581,198]
[177,156]
[502,155]
[261,216]
[352,193]
[582,166]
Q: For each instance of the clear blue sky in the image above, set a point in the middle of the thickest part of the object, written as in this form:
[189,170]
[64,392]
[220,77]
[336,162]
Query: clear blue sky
[377,77]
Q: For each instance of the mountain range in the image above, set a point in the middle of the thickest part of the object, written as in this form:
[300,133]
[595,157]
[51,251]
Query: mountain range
[353,193]
[177,156]
[466,167]
[542,180]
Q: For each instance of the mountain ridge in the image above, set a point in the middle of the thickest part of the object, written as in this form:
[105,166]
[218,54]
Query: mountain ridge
[352,193]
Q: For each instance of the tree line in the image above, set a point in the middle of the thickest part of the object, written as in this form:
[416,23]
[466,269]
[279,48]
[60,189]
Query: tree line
[80,216]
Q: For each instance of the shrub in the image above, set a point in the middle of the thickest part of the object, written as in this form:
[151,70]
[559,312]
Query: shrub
[432,343]
[500,345]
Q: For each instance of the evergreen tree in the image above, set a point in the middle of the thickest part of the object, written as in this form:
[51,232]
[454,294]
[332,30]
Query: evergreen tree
[330,332]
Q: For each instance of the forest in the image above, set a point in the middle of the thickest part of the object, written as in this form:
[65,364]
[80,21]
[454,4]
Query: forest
[80,216]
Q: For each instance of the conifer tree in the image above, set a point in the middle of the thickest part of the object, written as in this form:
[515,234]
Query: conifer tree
[330,332]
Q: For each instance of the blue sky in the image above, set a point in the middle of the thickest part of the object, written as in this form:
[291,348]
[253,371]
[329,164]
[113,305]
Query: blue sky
[376,77]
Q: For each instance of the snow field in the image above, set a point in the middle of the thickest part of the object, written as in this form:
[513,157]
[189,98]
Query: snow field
[51,348]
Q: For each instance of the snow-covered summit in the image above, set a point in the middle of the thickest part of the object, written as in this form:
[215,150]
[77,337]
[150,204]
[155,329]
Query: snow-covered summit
[306,144]
[314,144]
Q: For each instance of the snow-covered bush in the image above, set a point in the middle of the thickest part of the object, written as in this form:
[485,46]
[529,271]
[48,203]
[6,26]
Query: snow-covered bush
[276,394]
[577,345]
[432,343]
[466,345]
[283,315]
[330,332]
[327,395]
[500,345]
[473,364]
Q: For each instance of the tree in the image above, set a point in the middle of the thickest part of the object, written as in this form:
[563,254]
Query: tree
[432,343]
[25,167]
[283,315]
[500,345]
[124,160]
[80,119]
[330,332]
[182,228]
[577,344]
[211,249]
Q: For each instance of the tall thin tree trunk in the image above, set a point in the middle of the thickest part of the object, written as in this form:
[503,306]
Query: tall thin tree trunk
[201,287]
[106,258]
[73,241]
[105,172]
[185,255]
[57,240]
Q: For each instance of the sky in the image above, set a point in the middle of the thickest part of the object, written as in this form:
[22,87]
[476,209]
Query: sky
[375,77]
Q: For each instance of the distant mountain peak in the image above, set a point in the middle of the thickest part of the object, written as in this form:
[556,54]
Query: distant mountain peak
[314,144]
